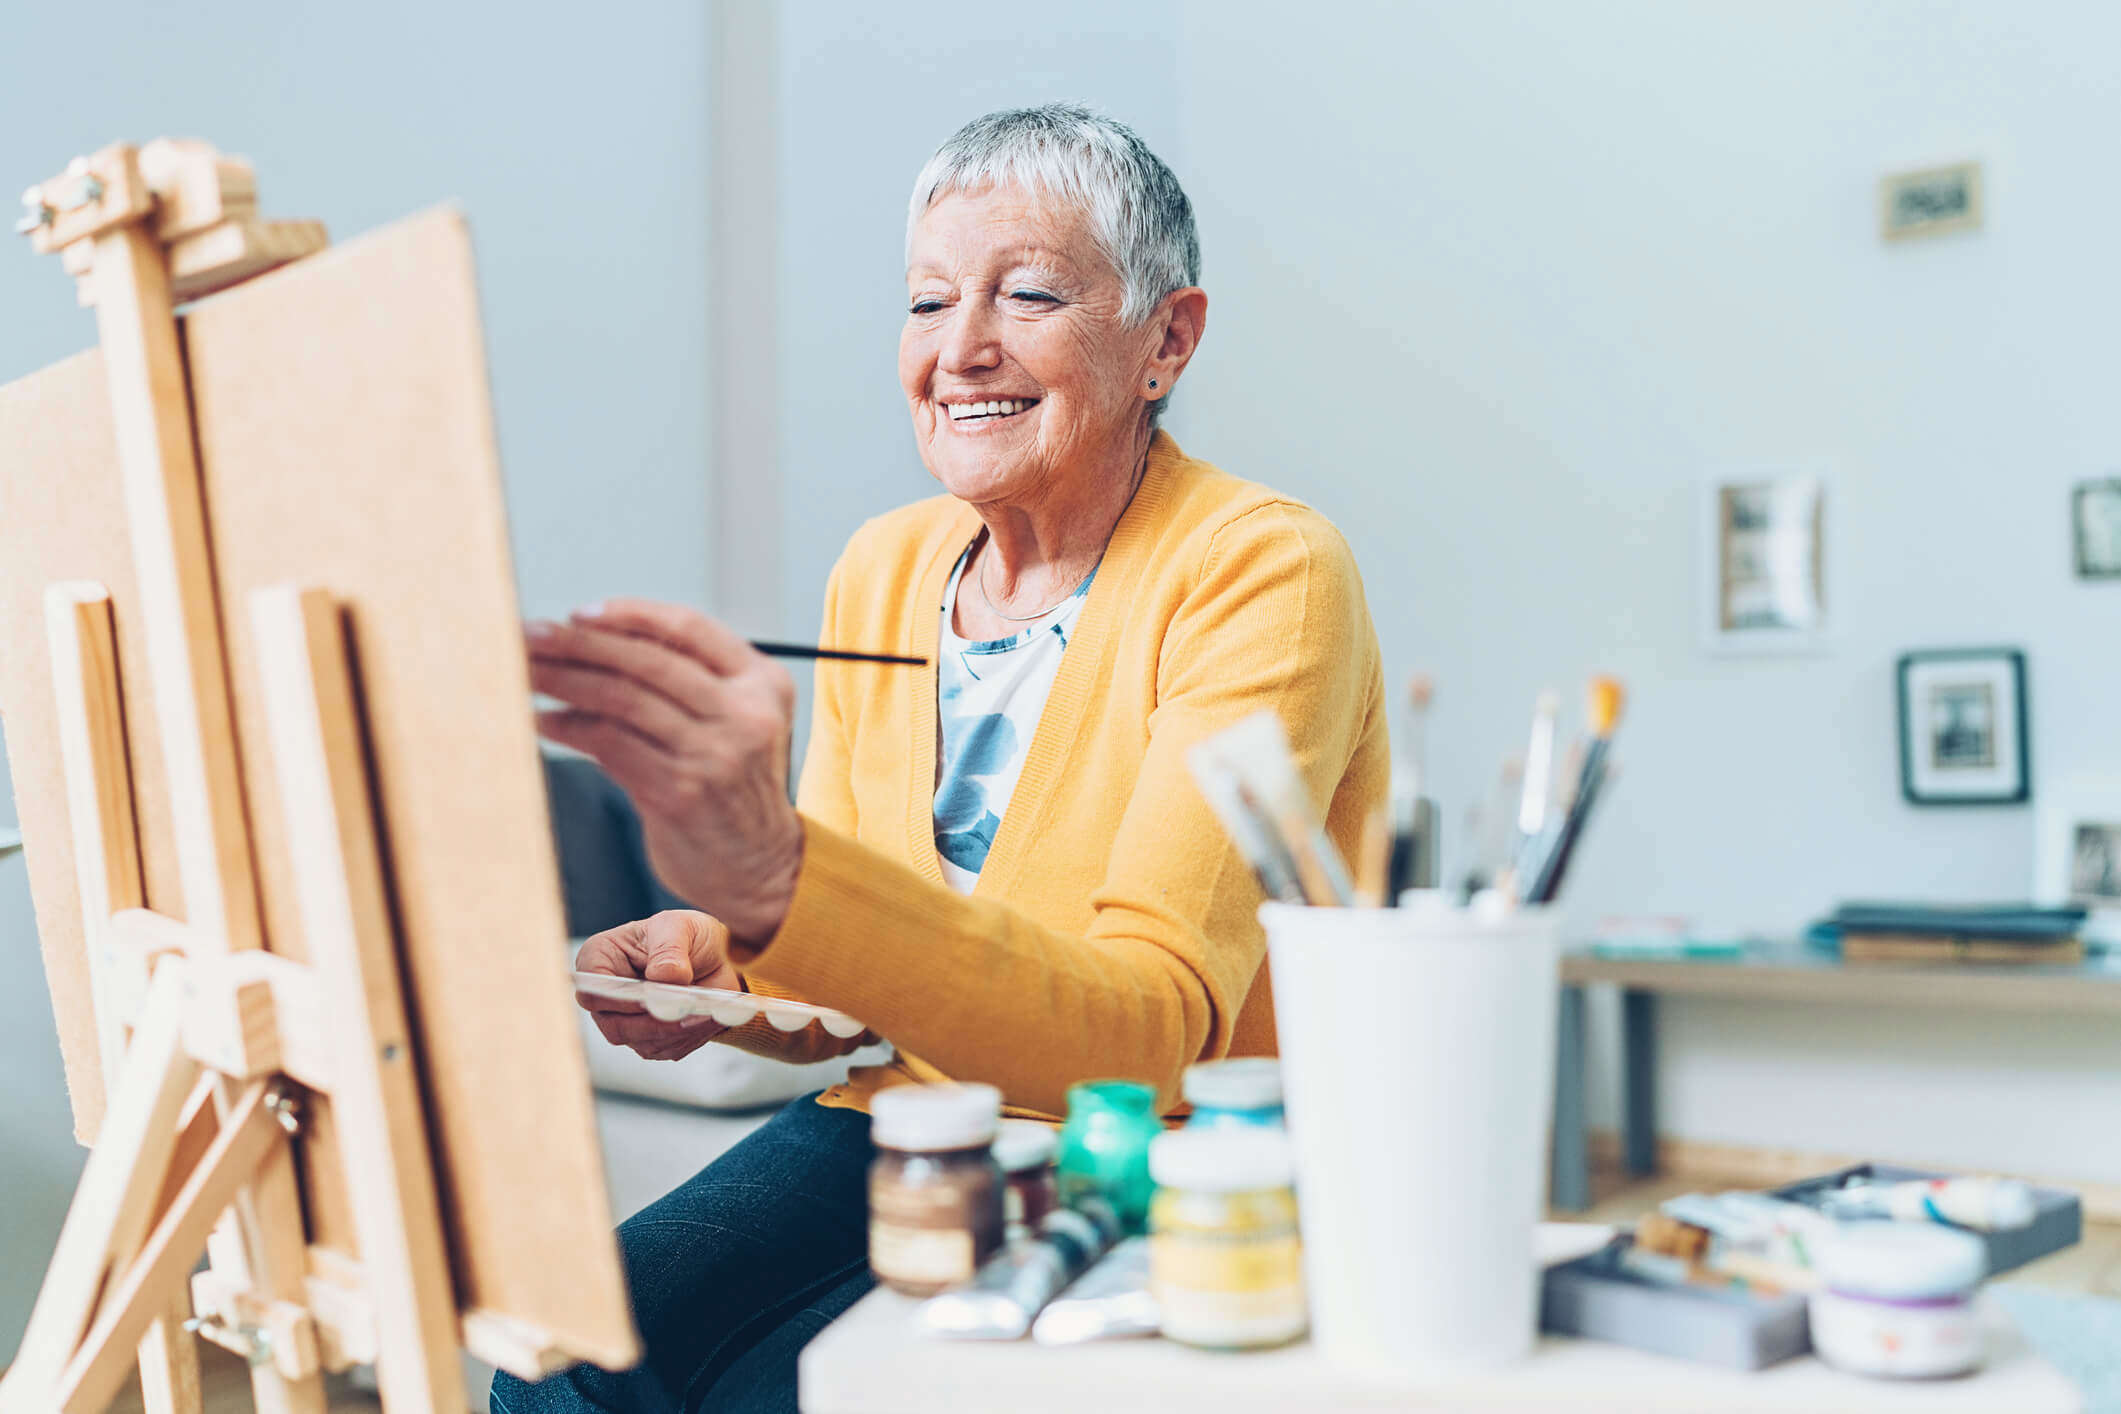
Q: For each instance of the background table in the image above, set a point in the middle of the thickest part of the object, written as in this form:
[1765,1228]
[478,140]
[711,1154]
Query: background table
[875,1360]
[1780,972]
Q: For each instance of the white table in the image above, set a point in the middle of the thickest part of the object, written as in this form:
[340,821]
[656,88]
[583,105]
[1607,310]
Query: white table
[874,1360]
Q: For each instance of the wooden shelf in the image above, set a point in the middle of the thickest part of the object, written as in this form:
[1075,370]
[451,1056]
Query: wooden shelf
[1794,973]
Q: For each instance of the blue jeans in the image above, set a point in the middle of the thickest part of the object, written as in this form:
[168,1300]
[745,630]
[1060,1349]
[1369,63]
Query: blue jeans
[732,1273]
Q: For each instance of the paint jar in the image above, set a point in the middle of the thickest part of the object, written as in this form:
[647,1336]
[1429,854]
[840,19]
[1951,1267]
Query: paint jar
[1025,1150]
[1104,1149]
[935,1191]
[1242,1091]
[1898,1300]
[1225,1260]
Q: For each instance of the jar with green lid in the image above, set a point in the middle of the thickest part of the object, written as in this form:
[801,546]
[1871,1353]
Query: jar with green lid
[1225,1258]
[1245,1090]
[1104,1155]
[935,1190]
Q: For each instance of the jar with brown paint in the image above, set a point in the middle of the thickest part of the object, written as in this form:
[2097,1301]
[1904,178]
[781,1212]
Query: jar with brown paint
[1025,1149]
[935,1190]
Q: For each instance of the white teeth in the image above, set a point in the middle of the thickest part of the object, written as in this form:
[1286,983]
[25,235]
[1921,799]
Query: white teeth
[1006,407]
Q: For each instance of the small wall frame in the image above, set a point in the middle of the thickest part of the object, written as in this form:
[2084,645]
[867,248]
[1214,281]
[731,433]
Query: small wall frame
[1965,738]
[2095,528]
[1930,201]
[1762,562]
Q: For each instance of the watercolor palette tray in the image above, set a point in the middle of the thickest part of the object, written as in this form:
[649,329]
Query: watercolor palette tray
[1597,1297]
[666,1001]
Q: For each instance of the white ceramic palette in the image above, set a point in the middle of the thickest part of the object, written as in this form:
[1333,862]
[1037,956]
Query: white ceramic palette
[666,1001]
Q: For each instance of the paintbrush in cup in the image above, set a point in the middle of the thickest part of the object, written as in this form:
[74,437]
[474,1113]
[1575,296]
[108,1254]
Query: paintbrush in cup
[1256,752]
[1413,818]
[1489,826]
[1607,697]
[1247,825]
[1535,806]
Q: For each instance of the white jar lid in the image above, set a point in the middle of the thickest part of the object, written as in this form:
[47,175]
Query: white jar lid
[1250,1083]
[932,1118]
[1901,1261]
[1024,1144]
[1222,1159]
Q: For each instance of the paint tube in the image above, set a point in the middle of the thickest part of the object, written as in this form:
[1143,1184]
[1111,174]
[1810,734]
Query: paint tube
[1110,1300]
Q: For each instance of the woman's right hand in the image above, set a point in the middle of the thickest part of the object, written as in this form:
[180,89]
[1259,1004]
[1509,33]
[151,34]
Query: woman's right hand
[682,946]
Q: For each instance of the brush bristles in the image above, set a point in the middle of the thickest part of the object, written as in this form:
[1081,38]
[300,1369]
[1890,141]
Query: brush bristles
[1607,697]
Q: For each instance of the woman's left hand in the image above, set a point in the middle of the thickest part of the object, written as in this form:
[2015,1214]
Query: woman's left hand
[694,724]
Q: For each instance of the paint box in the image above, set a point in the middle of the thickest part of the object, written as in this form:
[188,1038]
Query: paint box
[1598,1298]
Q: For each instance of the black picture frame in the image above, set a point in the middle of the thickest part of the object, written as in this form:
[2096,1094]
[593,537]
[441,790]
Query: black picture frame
[2019,751]
[2080,541]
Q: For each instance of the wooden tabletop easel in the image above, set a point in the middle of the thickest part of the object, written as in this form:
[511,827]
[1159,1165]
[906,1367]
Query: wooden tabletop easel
[216,1049]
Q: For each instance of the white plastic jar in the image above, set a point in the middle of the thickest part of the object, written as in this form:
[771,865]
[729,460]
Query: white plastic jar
[1898,1300]
[1225,1259]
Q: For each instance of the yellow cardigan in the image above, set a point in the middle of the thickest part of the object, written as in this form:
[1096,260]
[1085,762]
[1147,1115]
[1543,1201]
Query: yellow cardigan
[1112,932]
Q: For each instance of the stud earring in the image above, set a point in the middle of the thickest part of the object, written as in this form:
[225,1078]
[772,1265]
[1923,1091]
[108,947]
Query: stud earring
[1152,382]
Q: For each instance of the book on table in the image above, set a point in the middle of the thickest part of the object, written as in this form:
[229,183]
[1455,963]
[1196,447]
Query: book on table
[1983,933]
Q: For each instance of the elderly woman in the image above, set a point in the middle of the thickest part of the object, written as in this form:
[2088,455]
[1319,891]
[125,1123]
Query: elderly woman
[1001,864]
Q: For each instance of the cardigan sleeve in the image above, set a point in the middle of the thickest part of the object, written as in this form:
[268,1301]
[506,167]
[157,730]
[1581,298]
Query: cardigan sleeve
[1275,619]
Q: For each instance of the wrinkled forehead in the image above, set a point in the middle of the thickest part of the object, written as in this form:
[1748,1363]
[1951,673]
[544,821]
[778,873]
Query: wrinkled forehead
[997,223]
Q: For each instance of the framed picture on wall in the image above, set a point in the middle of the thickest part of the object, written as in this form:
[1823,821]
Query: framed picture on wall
[1763,561]
[1933,201]
[1963,728]
[2078,854]
[2096,522]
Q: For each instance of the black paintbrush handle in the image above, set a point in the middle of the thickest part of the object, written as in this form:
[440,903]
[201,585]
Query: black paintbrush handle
[837,655]
[1546,884]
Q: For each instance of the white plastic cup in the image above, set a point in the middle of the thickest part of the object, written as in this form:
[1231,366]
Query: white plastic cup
[1417,1048]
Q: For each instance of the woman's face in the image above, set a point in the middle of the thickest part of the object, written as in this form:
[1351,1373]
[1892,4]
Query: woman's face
[1010,301]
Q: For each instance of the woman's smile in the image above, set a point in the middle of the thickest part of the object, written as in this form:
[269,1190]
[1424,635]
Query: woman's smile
[978,417]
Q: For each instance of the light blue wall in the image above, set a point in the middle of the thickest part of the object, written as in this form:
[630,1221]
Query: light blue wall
[1535,271]
[38,1158]
[1498,285]
[576,141]
[576,147]
[868,92]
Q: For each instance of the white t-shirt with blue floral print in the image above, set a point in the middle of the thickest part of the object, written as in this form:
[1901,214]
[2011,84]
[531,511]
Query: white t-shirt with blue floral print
[989,695]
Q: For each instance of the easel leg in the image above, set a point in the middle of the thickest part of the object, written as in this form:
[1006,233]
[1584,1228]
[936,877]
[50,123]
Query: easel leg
[140,1294]
[323,776]
[169,1363]
[84,647]
[118,1188]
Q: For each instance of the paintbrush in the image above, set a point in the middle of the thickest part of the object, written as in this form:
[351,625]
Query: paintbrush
[1248,826]
[1412,847]
[1536,802]
[1272,791]
[1489,827]
[1607,697]
[837,655]
[1374,857]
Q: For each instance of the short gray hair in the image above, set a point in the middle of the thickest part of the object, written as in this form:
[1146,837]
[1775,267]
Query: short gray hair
[1138,213]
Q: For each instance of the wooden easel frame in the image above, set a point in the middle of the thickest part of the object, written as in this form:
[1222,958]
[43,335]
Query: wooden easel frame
[214,1042]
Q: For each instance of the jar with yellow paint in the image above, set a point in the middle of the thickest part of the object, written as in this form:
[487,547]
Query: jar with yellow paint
[1225,1259]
